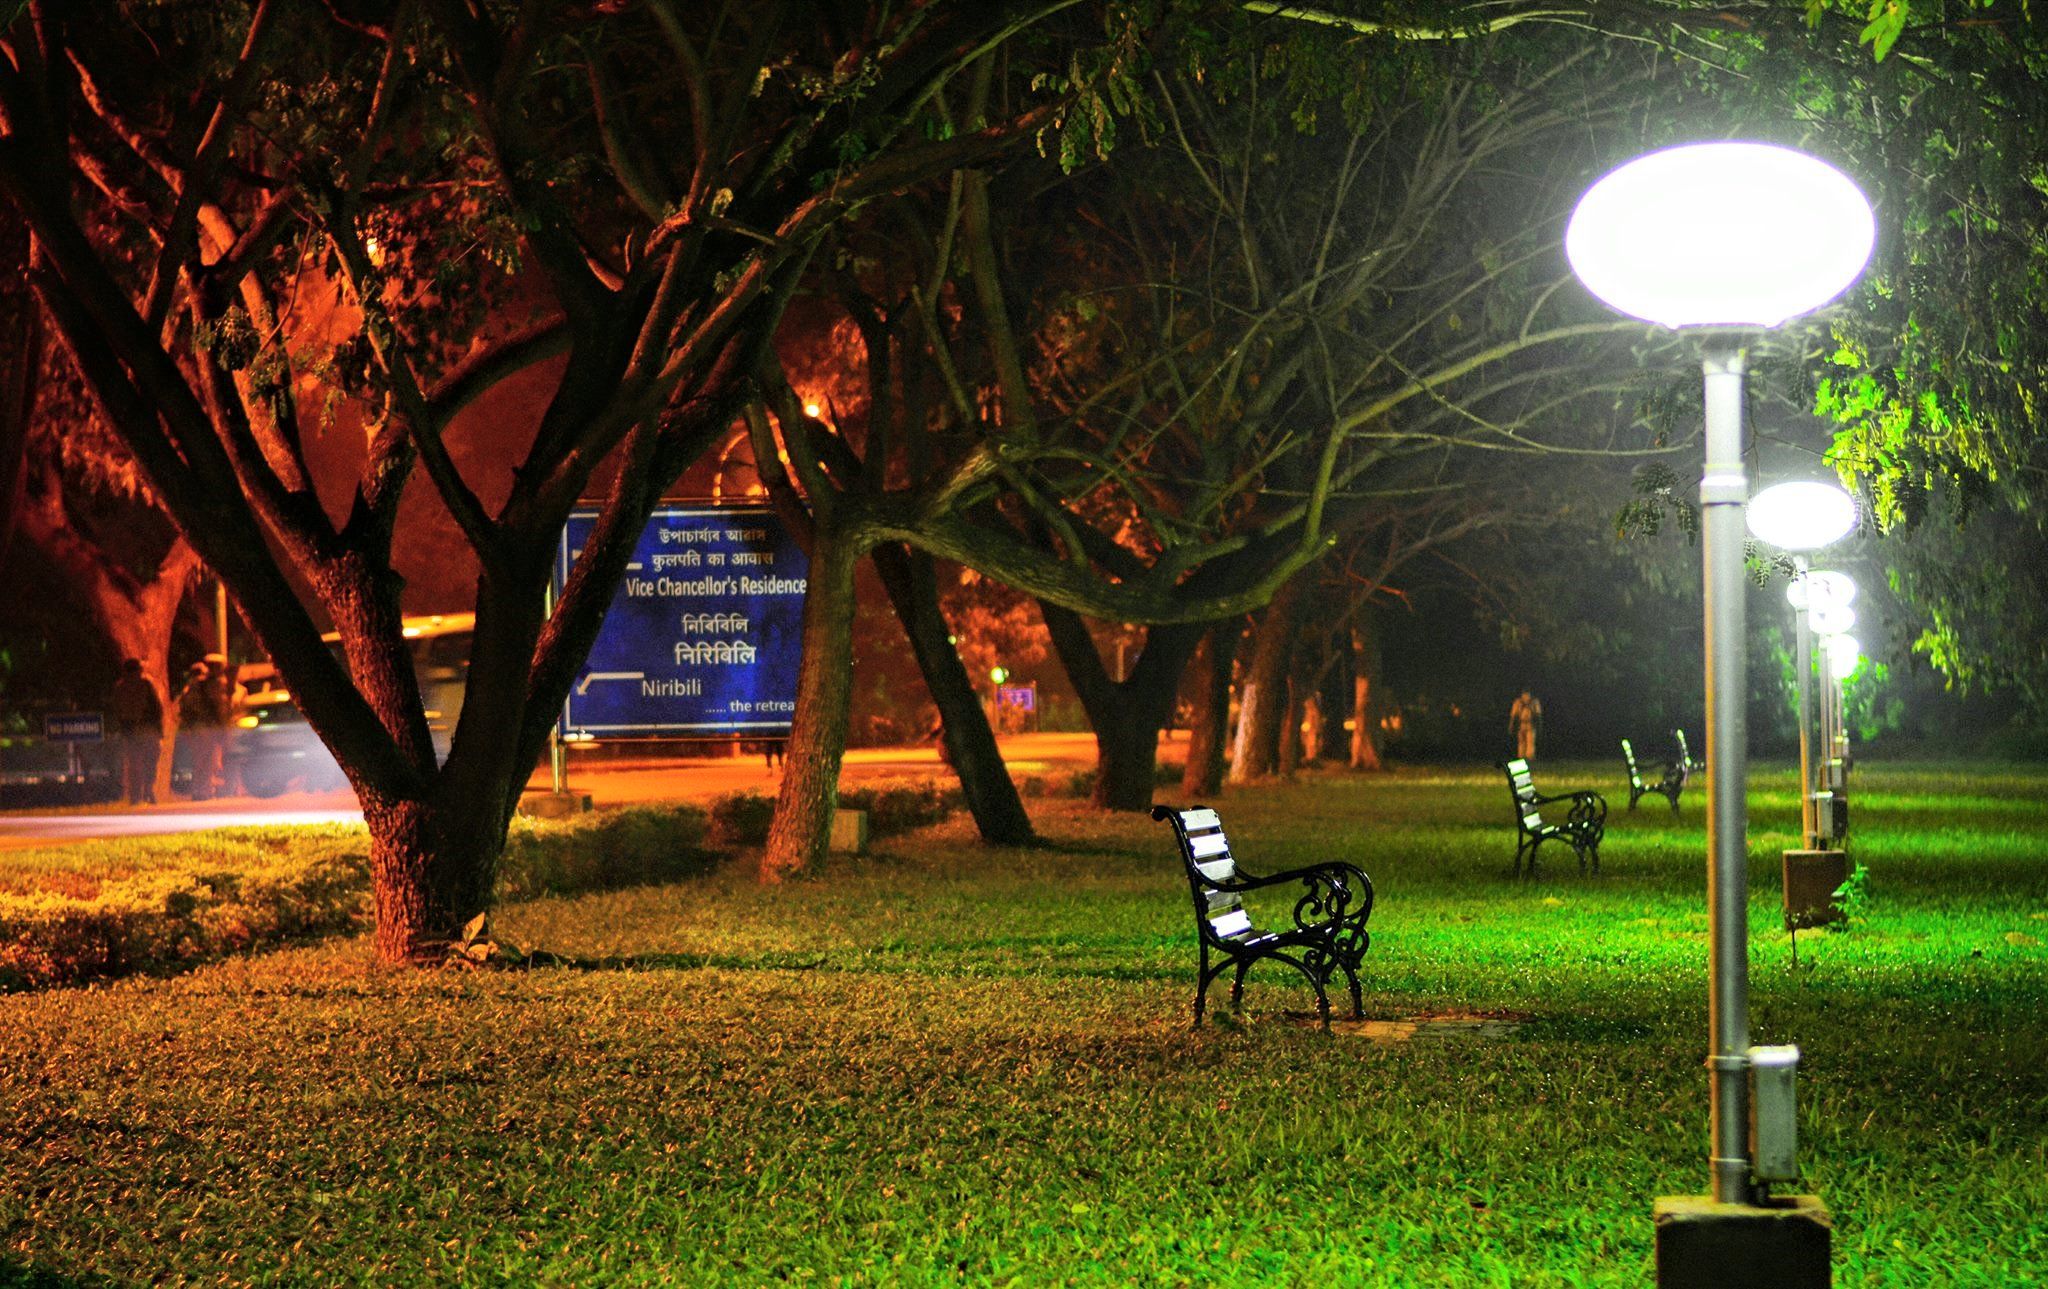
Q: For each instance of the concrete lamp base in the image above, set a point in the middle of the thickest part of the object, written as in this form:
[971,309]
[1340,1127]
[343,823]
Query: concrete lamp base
[1811,879]
[1782,1243]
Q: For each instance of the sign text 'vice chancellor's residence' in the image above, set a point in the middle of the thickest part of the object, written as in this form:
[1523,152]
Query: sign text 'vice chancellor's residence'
[703,634]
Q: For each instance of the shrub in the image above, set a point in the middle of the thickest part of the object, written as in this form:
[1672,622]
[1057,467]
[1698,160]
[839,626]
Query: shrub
[901,806]
[114,908]
[154,907]
[603,851]
[741,819]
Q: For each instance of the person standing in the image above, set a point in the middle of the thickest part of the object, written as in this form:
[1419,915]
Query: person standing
[139,723]
[1524,717]
[202,718]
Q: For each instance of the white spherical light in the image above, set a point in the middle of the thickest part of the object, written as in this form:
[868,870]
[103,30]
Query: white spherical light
[1720,234]
[1830,619]
[1820,586]
[1802,515]
[1844,656]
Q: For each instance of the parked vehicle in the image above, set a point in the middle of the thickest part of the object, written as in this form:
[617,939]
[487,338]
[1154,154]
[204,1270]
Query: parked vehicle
[274,750]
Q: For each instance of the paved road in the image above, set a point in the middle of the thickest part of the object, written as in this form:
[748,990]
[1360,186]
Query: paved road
[609,783]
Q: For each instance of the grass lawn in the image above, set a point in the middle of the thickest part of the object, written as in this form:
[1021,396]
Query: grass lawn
[945,1063]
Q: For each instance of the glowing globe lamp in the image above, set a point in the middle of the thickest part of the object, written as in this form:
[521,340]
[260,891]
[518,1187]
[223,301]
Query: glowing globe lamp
[1821,586]
[1831,619]
[1844,656]
[1720,234]
[1802,515]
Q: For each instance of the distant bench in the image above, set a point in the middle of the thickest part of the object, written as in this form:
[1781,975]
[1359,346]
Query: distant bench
[1584,824]
[1668,786]
[1328,935]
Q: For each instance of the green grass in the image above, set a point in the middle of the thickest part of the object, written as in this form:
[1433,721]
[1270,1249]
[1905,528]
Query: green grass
[945,1063]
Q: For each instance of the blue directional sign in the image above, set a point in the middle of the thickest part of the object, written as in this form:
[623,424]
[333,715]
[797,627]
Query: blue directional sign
[702,636]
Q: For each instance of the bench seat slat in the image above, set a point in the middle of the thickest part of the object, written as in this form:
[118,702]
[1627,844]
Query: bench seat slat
[1235,922]
[1208,844]
[1195,820]
[1218,870]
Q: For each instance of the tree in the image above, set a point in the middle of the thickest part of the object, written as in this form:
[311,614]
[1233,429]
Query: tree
[1340,329]
[643,186]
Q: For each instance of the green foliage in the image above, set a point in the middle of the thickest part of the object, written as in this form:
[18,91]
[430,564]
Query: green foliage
[1853,895]
[603,851]
[1658,499]
[952,1064]
[899,807]
[107,909]
[741,819]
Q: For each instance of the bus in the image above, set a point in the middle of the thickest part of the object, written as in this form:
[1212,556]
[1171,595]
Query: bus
[272,750]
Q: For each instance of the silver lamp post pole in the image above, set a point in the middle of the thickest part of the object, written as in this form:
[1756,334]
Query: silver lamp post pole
[1723,492]
[1803,630]
[1791,233]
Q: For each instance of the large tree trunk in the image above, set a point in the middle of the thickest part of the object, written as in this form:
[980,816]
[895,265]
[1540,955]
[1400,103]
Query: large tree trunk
[21,361]
[432,871]
[1365,669]
[1202,776]
[1290,749]
[1266,705]
[1126,715]
[970,743]
[139,615]
[817,737]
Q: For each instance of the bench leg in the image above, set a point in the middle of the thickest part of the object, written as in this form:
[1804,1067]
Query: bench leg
[1237,986]
[1357,998]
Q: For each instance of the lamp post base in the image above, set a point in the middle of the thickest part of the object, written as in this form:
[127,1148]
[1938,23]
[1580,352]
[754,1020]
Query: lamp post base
[1811,879]
[1782,1243]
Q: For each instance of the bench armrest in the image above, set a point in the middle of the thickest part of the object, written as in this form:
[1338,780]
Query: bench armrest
[1336,890]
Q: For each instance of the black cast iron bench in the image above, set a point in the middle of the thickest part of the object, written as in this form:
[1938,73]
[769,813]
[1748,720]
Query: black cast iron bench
[1585,823]
[1668,786]
[1328,934]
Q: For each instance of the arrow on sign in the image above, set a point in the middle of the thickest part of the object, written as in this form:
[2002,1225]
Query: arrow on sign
[583,686]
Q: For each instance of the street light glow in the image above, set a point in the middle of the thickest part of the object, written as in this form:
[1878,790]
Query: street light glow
[1720,234]
[1830,619]
[1802,515]
[1844,655]
[1820,586]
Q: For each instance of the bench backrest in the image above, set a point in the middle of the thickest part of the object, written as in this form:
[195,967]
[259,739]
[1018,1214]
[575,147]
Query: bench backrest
[1523,785]
[1684,752]
[1206,852]
[1628,754]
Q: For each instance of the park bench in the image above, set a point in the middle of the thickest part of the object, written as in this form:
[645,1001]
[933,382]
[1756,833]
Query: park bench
[1583,827]
[1669,786]
[1685,753]
[1328,933]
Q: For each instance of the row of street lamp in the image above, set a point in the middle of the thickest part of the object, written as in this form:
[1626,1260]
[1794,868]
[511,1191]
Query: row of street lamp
[1722,241]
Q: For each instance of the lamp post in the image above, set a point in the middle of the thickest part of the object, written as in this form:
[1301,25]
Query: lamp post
[1802,516]
[1723,240]
[1843,656]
